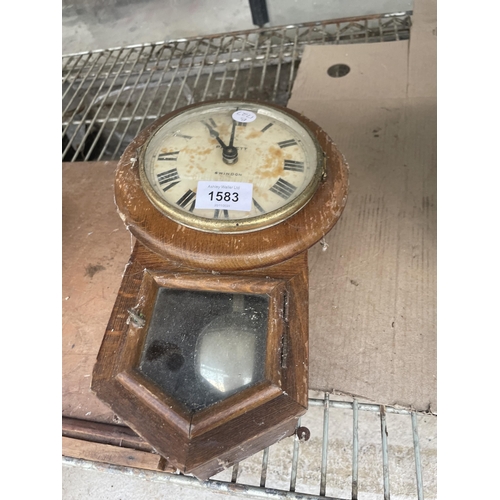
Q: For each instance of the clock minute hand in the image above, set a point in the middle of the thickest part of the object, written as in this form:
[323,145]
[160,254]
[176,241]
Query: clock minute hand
[231,140]
[230,154]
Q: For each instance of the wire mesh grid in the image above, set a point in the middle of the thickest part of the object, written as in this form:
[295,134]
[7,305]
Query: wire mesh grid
[343,450]
[109,95]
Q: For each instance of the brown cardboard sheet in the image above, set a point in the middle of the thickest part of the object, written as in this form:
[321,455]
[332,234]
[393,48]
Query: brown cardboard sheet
[95,249]
[373,285]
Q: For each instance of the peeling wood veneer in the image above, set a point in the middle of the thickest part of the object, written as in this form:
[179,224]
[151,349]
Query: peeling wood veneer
[239,251]
[238,426]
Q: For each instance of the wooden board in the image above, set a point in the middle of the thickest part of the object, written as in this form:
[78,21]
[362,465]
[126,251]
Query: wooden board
[110,454]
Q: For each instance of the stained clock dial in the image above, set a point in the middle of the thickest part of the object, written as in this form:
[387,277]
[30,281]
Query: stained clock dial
[230,167]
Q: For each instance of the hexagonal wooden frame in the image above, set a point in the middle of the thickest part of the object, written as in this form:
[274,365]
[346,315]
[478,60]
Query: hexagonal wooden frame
[212,439]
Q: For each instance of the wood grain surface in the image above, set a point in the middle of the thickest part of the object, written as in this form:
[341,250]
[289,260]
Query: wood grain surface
[243,423]
[222,252]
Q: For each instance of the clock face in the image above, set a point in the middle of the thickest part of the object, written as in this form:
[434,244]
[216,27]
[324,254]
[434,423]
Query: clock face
[230,167]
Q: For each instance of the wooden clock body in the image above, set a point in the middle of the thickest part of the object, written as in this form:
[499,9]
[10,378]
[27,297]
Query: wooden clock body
[271,262]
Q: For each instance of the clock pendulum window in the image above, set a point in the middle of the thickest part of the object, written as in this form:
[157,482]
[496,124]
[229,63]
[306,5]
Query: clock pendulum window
[206,350]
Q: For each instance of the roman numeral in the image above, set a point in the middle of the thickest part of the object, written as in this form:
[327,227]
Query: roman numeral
[172,156]
[184,136]
[211,120]
[289,142]
[169,177]
[225,213]
[294,166]
[186,198]
[267,126]
[283,188]
[257,206]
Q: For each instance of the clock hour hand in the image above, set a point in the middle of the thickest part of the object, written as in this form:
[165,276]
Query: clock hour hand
[229,153]
[215,134]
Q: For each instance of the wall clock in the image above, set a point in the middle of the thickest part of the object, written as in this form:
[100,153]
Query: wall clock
[206,351]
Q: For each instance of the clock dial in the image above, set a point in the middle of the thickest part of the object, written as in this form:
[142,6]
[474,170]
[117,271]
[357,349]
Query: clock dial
[230,167]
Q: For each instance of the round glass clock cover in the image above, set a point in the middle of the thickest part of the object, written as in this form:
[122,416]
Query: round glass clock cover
[230,166]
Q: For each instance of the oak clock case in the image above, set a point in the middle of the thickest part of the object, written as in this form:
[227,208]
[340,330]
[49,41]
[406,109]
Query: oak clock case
[206,350]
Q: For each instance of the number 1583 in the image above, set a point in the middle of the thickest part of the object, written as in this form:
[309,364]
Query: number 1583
[223,196]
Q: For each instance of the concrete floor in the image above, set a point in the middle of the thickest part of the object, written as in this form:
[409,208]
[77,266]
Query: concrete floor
[95,24]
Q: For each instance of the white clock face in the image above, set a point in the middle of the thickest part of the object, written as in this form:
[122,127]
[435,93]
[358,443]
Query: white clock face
[229,167]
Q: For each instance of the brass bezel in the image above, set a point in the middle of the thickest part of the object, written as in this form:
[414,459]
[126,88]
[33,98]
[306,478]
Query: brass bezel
[235,225]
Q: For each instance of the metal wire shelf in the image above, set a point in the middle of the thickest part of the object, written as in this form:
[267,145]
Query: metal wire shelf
[254,477]
[109,95]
